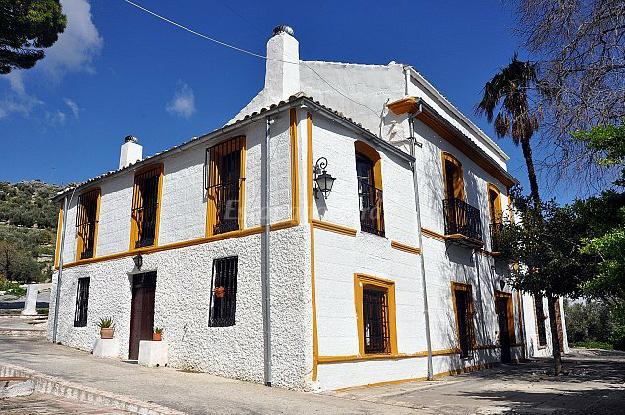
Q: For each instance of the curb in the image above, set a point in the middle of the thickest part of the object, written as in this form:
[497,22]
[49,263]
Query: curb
[57,386]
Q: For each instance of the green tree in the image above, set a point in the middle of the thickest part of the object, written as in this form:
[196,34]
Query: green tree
[507,94]
[546,243]
[26,28]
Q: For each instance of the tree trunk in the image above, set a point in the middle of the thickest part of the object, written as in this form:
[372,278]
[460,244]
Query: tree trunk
[531,171]
[555,338]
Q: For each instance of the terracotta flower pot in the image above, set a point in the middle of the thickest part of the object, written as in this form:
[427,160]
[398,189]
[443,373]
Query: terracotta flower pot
[219,292]
[157,337]
[106,333]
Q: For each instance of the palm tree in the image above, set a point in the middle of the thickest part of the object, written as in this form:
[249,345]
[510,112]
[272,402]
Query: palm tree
[508,92]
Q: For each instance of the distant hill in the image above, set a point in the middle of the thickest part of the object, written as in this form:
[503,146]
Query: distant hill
[28,220]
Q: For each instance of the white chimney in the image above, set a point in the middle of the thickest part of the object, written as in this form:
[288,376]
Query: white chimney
[282,70]
[132,152]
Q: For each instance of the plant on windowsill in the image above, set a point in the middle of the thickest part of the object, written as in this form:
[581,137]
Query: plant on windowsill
[219,292]
[157,336]
[107,328]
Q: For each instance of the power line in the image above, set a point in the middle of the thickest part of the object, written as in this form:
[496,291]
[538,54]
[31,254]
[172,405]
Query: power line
[238,49]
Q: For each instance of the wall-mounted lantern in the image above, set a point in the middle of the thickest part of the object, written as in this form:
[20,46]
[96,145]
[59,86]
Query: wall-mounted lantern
[138,260]
[322,180]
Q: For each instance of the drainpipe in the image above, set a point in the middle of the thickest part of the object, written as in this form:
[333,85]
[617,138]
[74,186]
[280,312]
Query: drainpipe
[59,278]
[265,274]
[415,178]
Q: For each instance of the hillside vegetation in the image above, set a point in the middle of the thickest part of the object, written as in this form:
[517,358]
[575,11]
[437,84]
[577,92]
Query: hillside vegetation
[27,231]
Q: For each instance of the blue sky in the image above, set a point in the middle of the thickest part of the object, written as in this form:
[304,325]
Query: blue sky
[118,71]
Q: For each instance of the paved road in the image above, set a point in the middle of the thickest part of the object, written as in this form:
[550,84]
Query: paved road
[42,404]
[594,385]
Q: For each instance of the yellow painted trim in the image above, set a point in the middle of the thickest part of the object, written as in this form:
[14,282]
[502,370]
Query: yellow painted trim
[182,244]
[57,249]
[459,191]
[403,106]
[333,227]
[405,248]
[458,286]
[309,157]
[243,167]
[497,203]
[439,375]
[360,281]
[397,356]
[510,311]
[134,230]
[294,166]
[284,224]
[79,240]
[431,234]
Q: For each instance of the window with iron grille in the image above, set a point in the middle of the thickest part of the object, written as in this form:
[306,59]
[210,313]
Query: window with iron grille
[224,185]
[370,197]
[82,302]
[145,207]
[375,316]
[464,318]
[86,221]
[540,321]
[223,299]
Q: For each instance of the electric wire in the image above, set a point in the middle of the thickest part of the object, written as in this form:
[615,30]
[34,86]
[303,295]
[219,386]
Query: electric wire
[245,51]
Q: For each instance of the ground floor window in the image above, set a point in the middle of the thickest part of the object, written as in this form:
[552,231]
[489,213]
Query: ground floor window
[375,308]
[463,307]
[82,303]
[223,299]
[540,321]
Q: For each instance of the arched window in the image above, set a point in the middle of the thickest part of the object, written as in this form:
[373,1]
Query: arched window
[369,174]
[453,177]
[496,216]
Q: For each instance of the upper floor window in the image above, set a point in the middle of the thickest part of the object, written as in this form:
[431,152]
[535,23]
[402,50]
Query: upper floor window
[460,217]
[225,164]
[146,207]
[496,216]
[87,224]
[369,175]
[223,300]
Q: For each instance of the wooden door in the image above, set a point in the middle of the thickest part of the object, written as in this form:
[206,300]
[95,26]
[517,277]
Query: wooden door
[504,331]
[141,311]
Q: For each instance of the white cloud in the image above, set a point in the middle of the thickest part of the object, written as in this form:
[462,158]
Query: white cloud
[77,45]
[16,100]
[73,107]
[55,118]
[183,102]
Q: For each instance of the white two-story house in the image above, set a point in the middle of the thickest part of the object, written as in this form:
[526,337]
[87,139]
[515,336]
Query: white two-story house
[339,231]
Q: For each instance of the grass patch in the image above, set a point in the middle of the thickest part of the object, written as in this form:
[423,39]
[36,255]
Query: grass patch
[593,345]
[12,288]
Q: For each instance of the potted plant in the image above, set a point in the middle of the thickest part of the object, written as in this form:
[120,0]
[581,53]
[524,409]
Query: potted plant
[157,336]
[219,292]
[107,328]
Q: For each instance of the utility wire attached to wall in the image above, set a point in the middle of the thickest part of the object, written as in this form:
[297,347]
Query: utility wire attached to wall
[245,51]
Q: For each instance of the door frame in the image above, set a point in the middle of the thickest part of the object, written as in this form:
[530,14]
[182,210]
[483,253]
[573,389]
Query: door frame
[509,316]
[131,280]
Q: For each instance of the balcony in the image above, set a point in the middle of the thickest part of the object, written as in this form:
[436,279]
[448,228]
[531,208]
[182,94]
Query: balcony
[463,224]
[371,209]
[495,236]
[226,199]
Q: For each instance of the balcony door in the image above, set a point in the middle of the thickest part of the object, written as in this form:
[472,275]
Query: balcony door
[369,176]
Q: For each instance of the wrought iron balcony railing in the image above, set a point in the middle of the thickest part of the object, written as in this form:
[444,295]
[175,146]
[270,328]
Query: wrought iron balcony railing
[462,219]
[495,236]
[226,197]
[371,209]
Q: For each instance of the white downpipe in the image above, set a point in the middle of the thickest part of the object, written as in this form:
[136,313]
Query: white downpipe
[265,278]
[60,275]
[415,178]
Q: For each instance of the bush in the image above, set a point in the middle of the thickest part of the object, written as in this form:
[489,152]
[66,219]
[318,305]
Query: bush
[595,324]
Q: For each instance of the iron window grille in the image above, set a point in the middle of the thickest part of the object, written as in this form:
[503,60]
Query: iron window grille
[224,185]
[82,302]
[86,220]
[371,208]
[145,206]
[464,316]
[376,326]
[462,218]
[223,296]
[540,321]
[496,230]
